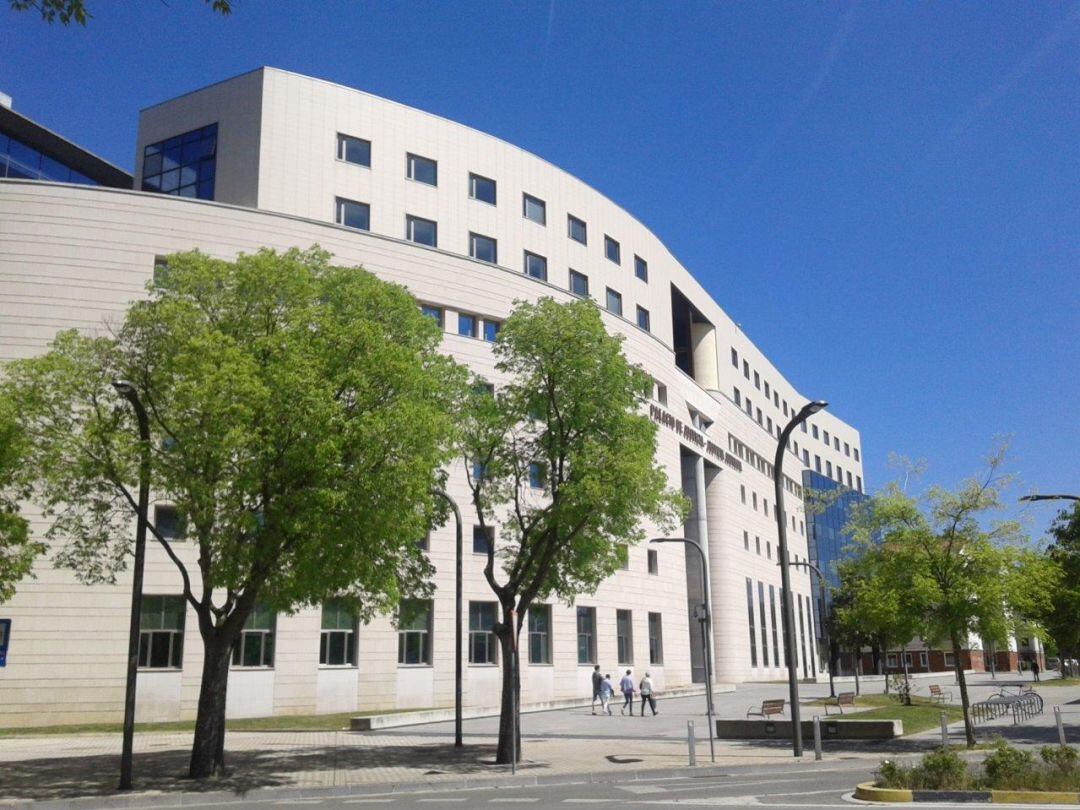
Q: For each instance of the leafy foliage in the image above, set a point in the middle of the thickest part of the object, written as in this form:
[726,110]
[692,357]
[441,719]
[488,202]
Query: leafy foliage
[1005,768]
[1063,606]
[68,11]
[17,549]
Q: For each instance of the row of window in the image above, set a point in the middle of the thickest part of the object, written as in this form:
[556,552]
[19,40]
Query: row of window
[161,635]
[21,161]
[773,633]
[184,165]
[357,151]
[765,507]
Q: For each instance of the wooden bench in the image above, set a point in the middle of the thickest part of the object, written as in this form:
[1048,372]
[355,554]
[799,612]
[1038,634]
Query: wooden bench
[936,693]
[767,709]
[840,701]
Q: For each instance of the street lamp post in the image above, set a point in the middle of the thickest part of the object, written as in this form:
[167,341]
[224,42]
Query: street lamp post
[785,575]
[706,635]
[1032,498]
[128,392]
[457,616]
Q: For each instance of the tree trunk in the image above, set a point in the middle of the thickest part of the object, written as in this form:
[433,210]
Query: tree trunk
[961,680]
[207,749]
[510,702]
[907,682]
[857,667]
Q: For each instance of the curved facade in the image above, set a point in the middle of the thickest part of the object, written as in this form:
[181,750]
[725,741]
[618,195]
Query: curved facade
[469,224]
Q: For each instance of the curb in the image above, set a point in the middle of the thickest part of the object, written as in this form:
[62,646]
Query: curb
[867,792]
[181,798]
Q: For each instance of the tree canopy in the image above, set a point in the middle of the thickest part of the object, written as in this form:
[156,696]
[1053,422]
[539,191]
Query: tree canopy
[562,458]
[300,415]
[1061,614]
[74,11]
[18,549]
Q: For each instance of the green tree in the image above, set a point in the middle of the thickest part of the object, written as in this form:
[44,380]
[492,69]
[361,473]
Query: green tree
[301,416]
[68,11]
[956,576]
[1061,614]
[18,549]
[562,457]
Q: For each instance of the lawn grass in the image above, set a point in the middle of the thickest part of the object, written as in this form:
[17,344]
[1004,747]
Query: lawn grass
[921,715]
[298,722]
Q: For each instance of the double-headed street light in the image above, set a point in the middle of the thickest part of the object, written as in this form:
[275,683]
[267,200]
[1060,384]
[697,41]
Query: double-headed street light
[706,634]
[808,410]
[1032,498]
[128,392]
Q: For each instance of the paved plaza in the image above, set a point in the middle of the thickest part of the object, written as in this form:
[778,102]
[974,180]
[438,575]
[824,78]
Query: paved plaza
[557,745]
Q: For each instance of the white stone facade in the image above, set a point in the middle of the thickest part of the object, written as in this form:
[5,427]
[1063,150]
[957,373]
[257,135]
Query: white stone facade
[76,256]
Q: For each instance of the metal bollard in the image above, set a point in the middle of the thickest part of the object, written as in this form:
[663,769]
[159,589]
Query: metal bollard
[690,741]
[817,738]
[1060,727]
[944,730]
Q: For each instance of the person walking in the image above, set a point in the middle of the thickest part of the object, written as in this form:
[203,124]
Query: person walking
[597,679]
[1035,668]
[607,692]
[626,686]
[647,695]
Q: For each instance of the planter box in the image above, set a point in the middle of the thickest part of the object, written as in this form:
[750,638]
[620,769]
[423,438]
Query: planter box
[831,729]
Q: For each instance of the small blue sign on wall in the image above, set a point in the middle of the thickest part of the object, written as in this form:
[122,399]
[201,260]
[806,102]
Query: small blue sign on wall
[5,635]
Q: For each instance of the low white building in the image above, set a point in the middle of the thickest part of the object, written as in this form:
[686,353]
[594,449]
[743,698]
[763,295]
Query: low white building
[469,224]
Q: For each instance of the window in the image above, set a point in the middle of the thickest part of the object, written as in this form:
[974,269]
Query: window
[848,473]
[750,613]
[772,616]
[768,391]
[746,540]
[433,312]
[641,268]
[168,522]
[856,453]
[414,632]
[924,660]
[622,551]
[828,468]
[183,166]
[758,410]
[579,284]
[614,301]
[656,640]
[785,408]
[612,250]
[836,443]
[161,632]
[661,393]
[890,660]
[354,150]
[742,492]
[858,482]
[422,170]
[483,539]
[653,561]
[337,644]
[757,381]
[483,248]
[806,457]
[764,625]
[536,475]
[535,266]
[825,433]
[768,549]
[586,635]
[746,369]
[255,647]
[540,634]
[768,420]
[817,463]
[950,659]
[847,449]
[421,231]
[466,324]
[749,408]
[624,635]
[753,497]
[482,189]
[491,330]
[424,543]
[534,208]
[352,214]
[757,545]
[576,229]
[738,398]
[734,358]
[643,318]
[482,646]
[815,431]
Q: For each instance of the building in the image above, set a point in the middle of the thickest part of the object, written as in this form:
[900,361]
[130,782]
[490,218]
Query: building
[468,223]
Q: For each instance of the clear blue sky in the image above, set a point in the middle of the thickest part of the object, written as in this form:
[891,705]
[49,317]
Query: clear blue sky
[885,195]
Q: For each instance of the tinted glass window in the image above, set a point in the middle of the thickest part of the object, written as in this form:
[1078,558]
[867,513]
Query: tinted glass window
[483,248]
[482,188]
[353,214]
[641,268]
[643,318]
[423,170]
[354,150]
[612,250]
[614,302]
[535,266]
[577,229]
[466,324]
[534,209]
[423,231]
[579,284]
[184,165]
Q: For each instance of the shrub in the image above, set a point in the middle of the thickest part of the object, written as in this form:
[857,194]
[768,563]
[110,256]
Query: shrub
[1010,769]
[1060,757]
[893,774]
[941,769]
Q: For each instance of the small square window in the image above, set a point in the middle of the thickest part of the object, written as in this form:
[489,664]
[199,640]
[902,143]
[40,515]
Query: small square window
[354,150]
[483,539]
[483,248]
[536,475]
[482,188]
[422,169]
[534,208]
[614,301]
[535,266]
[466,324]
[579,284]
[643,318]
[576,229]
[641,268]
[421,231]
[433,312]
[612,250]
[352,214]
[491,330]
[168,522]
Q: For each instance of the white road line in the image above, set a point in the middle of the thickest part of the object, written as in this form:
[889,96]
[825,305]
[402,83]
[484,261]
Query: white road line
[367,801]
[441,800]
[520,800]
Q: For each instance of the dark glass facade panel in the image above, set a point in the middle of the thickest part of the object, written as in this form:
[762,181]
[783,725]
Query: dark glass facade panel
[184,165]
[21,162]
